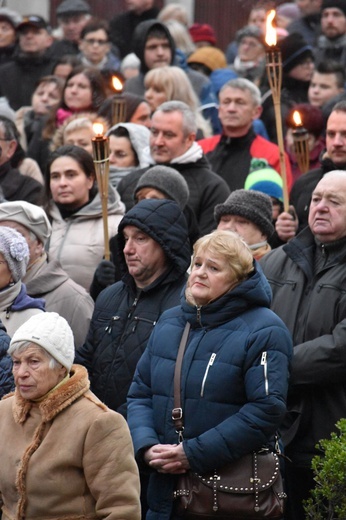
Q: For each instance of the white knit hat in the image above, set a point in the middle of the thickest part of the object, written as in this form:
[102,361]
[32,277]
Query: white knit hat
[51,332]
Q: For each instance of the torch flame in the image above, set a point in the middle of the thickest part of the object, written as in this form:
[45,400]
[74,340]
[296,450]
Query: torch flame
[98,128]
[117,85]
[297,119]
[270,30]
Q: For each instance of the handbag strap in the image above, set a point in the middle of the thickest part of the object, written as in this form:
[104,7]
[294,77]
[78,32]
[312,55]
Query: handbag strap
[177,412]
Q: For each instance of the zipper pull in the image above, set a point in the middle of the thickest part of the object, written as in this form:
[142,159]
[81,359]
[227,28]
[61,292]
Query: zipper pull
[265,370]
[109,327]
[264,358]
[210,363]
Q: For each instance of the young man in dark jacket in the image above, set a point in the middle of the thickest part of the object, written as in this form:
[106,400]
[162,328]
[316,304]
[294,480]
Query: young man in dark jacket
[308,277]
[155,254]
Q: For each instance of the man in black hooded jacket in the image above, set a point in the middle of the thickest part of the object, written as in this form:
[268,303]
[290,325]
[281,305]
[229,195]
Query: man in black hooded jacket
[155,254]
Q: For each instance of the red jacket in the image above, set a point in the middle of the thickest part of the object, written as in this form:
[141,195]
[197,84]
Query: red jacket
[259,148]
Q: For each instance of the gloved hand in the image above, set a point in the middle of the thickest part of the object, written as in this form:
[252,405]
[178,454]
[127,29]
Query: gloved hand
[105,273]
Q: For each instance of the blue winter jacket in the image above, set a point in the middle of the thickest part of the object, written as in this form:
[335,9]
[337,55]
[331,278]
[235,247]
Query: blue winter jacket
[234,383]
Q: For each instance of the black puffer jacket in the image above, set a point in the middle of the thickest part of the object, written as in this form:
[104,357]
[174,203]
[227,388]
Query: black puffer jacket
[124,316]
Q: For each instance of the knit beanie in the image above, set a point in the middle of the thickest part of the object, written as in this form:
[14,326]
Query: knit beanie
[289,10]
[294,50]
[265,179]
[51,332]
[15,251]
[252,205]
[28,215]
[211,57]
[167,180]
[337,4]
[202,33]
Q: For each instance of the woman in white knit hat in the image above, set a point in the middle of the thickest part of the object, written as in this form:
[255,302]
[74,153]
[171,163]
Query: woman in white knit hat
[63,453]
[16,306]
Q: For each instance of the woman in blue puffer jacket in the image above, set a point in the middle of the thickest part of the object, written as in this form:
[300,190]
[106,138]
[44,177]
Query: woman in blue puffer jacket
[234,374]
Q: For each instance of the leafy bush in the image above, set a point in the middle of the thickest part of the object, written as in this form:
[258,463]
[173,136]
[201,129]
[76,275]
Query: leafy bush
[328,498]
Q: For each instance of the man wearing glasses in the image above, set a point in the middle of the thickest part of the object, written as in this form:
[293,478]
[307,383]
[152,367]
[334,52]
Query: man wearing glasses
[95,47]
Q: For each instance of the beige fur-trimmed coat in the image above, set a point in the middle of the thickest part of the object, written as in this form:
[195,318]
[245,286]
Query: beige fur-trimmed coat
[67,457]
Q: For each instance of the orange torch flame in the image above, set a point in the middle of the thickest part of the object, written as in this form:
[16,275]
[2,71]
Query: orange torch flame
[98,128]
[117,85]
[270,30]
[297,119]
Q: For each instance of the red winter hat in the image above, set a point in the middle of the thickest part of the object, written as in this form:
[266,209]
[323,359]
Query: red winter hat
[202,33]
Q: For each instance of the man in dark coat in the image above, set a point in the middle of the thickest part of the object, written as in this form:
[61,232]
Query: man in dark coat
[308,278]
[172,142]
[154,254]
[31,61]
[334,158]
[72,16]
[230,153]
[14,185]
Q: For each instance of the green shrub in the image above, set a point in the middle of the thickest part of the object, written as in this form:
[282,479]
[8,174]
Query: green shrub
[328,498]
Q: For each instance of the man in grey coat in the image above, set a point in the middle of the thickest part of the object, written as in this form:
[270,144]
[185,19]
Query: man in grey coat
[45,278]
[308,279]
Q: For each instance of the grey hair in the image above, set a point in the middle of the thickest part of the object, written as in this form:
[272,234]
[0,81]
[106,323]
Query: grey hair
[245,85]
[188,115]
[21,346]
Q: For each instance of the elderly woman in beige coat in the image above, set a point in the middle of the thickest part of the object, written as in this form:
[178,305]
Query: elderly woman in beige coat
[63,453]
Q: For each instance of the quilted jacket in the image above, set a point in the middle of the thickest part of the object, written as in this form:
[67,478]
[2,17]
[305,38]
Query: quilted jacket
[234,382]
[124,316]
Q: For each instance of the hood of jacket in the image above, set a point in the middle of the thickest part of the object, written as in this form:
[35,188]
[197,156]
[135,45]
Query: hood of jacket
[140,38]
[139,137]
[253,292]
[48,277]
[94,208]
[163,221]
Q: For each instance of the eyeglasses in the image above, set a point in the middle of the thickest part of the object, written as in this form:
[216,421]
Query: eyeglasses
[94,41]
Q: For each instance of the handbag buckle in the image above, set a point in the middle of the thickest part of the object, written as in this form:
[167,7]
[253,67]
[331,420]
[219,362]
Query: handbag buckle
[177,413]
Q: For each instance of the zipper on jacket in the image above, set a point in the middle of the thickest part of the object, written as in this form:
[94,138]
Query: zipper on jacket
[265,369]
[211,361]
[137,319]
[110,325]
[133,306]
[199,315]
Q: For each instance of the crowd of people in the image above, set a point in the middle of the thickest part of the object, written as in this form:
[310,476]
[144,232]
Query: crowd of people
[201,239]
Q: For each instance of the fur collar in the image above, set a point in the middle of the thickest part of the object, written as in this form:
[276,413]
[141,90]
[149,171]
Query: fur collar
[64,396]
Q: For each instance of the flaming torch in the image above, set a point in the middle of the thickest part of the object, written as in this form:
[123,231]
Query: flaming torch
[301,143]
[274,73]
[100,145]
[119,103]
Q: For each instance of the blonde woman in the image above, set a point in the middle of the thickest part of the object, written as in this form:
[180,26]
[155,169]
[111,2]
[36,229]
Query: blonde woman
[172,84]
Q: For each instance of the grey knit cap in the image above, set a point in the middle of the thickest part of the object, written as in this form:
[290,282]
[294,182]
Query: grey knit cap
[51,332]
[15,251]
[28,215]
[167,180]
[252,205]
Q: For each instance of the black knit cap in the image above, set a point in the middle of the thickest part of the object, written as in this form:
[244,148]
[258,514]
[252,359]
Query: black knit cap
[294,50]
[336,4]
[252,205]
